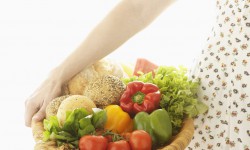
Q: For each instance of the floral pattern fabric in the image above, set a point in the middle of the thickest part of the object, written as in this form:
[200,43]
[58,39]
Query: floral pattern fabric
[223,70]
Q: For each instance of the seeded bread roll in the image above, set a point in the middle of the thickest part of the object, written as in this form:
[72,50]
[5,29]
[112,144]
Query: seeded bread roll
[52,108]
[77,84]
[105,90]
[71,103]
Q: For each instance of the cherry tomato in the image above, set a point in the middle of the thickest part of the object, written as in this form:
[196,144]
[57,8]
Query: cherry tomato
[119,145]
[92,142]
[140,140]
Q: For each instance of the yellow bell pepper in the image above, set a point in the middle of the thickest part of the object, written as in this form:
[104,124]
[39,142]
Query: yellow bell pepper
[117,120]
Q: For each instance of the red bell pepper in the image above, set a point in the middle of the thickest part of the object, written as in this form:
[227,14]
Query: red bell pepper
[140,96]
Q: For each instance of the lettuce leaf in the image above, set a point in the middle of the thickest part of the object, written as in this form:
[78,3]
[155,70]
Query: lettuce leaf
[86,127]
[52,125]
[99,119]
[71,124]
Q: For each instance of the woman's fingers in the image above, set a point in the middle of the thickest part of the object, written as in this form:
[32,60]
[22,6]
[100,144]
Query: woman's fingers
[30,109]
[40,115]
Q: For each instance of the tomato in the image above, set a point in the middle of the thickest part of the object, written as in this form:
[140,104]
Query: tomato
[119,145]
[92,142]
[140,140]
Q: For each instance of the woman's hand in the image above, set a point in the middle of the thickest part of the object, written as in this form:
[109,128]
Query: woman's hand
[35,105]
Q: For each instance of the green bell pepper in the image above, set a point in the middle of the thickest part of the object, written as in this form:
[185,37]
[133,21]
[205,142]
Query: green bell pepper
[157,124]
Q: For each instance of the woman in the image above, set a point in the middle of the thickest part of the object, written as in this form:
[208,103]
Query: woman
[222,69]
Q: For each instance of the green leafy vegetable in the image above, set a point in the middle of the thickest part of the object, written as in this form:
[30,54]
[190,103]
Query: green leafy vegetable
[99,119]
[86,127]
[78,123]
[71,124]
[52,125]
[178,93]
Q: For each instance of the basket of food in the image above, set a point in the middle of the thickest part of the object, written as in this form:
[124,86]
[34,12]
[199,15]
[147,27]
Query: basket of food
[111,106]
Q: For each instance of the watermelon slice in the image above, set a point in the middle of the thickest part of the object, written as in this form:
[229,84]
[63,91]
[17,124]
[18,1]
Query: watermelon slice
[143,65]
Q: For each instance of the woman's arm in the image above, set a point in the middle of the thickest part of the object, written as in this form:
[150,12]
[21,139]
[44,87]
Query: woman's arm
[125,20]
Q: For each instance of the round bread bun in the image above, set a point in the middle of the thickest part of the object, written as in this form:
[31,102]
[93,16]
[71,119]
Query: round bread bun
[52,108]
[77,84]
[105,90]
[73,102]
[109,67]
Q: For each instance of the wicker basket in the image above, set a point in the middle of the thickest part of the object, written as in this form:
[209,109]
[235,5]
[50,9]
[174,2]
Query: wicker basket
[183,138]
[179,142]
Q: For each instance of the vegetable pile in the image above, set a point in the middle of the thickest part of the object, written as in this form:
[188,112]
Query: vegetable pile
[178,94]
[152,104]
[78,123]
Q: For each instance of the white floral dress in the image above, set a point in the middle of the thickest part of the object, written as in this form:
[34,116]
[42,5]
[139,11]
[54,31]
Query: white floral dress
[224,73]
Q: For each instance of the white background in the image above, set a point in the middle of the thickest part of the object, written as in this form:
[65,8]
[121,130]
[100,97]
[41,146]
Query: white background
[35,36]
